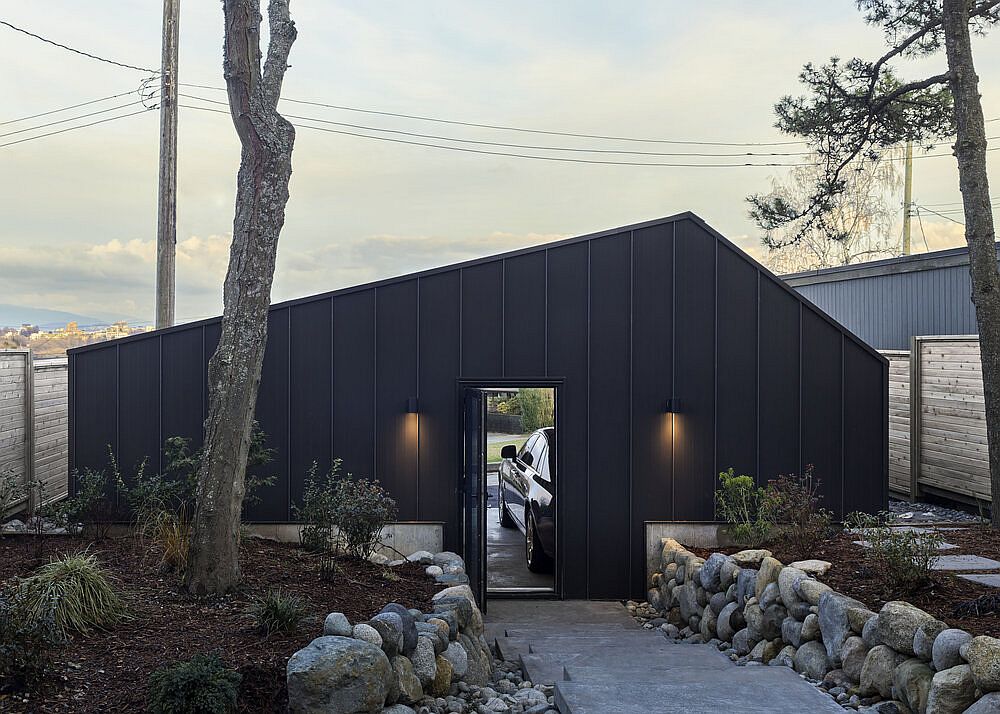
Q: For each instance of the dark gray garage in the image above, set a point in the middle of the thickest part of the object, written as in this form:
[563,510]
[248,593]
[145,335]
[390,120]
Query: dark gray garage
[674,356]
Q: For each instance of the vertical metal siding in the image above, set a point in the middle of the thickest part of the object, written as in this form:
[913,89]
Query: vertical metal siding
[627,319]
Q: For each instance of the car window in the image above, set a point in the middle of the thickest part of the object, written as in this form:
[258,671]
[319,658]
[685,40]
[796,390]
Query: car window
[538,452]
[543,467]
[528,445]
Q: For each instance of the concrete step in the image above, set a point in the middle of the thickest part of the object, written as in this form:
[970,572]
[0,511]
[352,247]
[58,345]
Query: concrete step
[747,690]
[562,631]
[511,648]
[550,668]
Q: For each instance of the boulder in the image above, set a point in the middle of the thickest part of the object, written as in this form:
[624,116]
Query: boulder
[751,558]
[458,658]
[852,655]
[911,682]
[767,574]
[450,617]
[741,642]
[390,627]
[711,571]
[409,625]
[717,602]
[952,691]
[835,621]
[442,680]
[945,652]
[367,633]
[746,585]
[897,624]
[810,628]
[812,590]
[812,567]
[654,599]
[987,704]
[447,558]
[433,633]
[728,574]
[687,600]
[789,580]
[480,665]
[869,633]
[702,595]
[878,670]
[410,690]
[923,638]
[766,650]
[708,623]
[810,660]
[800,610]
[785,658]
[337,675]
[424,661]
[424,557]
[770,596]
[668,546]
[983,655]
[724,626]
[337,624]
[791,631]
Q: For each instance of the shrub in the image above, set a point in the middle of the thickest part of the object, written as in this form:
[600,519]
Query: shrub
[793,503]
[278,612]
[12,490]
[26,640]
[82,592]
[537,408]
[316,511]
[899,558]
[93,503]
[202,685]
[171,532]
[361,509]
[741,504]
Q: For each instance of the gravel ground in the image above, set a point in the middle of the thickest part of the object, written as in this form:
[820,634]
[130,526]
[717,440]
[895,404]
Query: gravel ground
[919,512]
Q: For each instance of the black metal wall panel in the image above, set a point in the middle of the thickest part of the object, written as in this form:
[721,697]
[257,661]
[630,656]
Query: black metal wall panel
[95,407]
[310,392]
[439,357]
[482,320]
[138,407]
[652,430]
[610,401]
[568,318]
[524,315]
[626,319]
[354,382]
[778,368]
[183,377]
[866,438]
[736,370]
[694,373]
[272,415]
[822,407]
[396,383]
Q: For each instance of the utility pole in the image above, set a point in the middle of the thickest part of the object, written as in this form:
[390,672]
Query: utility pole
[907,196]
[166,224]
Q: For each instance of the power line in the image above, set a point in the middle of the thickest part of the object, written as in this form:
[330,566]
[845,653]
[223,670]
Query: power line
[505,153]
[66,109]
[81,116]
[514,146]
[71,128]
[76,51]
[949,218]
[514,128]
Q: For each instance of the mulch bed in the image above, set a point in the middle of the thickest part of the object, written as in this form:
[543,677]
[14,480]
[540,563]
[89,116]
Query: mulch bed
[939,597]
[109,671]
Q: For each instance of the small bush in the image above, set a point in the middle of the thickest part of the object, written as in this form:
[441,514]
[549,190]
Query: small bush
[899,558]
[537,408]
[171,532]
[741,504]
[12,490]
[793,504]
[82,592]
[26,639]
[362,509]
[278,612]
[316,511]
[202,685]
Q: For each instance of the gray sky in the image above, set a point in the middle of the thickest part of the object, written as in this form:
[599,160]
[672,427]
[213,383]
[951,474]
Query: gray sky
[79,209]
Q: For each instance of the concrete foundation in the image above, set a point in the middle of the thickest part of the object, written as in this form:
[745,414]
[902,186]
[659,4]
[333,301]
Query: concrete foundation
[398,539]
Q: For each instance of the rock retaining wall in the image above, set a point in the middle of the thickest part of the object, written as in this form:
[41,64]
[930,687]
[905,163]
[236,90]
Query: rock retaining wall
[399,661]
[759,611]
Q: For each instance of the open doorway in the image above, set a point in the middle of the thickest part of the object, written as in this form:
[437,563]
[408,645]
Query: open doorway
[521,474]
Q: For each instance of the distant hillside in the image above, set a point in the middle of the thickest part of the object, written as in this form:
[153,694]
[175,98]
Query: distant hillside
[15,315]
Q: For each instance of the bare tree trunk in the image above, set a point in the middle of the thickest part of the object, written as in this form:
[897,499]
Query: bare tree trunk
[234,370]
[980,233]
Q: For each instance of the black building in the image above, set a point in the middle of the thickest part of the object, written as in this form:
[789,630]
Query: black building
[619,321]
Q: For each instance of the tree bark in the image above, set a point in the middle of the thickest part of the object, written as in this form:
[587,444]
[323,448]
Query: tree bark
[234,370]
[980,233]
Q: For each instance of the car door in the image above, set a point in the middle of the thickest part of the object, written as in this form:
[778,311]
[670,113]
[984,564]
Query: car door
[517,486]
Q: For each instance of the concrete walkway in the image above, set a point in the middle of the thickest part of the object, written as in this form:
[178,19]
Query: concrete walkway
[601,661]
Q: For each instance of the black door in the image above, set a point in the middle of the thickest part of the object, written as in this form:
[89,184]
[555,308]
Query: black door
[474,484]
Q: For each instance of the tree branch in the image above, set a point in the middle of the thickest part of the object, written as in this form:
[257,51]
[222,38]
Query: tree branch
[283,34]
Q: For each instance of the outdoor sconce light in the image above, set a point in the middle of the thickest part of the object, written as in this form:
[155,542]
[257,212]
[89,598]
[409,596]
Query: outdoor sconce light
[673,405]
[411,405]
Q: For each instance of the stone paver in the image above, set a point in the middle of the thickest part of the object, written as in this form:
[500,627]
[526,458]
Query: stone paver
[964,562]
[990,579]
[943,546]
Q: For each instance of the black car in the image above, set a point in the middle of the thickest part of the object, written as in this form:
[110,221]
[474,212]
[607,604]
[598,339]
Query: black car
[527,496]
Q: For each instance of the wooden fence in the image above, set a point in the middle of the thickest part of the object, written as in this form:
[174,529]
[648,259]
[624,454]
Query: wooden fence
[33,421]
[937,420]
